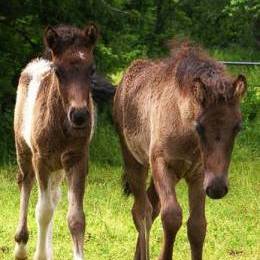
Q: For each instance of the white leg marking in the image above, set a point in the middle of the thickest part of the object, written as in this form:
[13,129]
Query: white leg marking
[46,205]
[55,197]
[49,241]
[54,182]
[78,256]
[44,214]
[20,251]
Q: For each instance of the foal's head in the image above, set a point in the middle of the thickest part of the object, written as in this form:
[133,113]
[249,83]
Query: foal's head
[72,55]
[218,119]
[216,126]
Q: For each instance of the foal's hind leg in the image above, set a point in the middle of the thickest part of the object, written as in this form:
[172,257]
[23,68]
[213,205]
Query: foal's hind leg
[141,210]
[25,179]
[44,208]
[197,220]
[136,175]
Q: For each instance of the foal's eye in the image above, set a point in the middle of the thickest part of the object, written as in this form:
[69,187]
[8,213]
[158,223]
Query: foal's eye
[200,129]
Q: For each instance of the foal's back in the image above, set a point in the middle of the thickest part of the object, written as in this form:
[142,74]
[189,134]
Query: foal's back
[147,111]
[179,116]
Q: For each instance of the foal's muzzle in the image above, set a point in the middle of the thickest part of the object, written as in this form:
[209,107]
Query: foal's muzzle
[78,117]
[215,186]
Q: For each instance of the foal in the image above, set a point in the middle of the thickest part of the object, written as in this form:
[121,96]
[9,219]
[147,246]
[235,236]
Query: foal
[54,119]
[178,116]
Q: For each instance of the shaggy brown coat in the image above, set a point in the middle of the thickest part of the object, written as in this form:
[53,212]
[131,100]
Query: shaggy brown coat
[53,128]
[178,116]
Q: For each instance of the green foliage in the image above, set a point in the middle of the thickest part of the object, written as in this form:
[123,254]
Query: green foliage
[248,142]
[129,30]
[251,101]
[7,137]
[221,23]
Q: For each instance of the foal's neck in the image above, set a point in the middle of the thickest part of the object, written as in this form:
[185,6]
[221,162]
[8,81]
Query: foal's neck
[54,103]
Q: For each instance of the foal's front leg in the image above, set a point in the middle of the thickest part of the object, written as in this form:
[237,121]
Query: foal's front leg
[44,209]
[136,175]
[76,171]
[197,220]
[171,213]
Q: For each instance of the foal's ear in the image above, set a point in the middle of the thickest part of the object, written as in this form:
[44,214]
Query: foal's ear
[198,90]
[92,33]
[51,38]
[240,86]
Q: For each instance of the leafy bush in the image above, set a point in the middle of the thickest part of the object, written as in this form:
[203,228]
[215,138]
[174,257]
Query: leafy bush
[7,137]
[129,30]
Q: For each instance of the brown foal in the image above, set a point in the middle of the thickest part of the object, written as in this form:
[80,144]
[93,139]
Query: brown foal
[179,116]
[54,122]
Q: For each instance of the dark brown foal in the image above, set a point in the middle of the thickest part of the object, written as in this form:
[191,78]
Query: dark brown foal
[178,116]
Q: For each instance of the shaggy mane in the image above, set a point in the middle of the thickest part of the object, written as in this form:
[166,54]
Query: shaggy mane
[190,63]
[69,36]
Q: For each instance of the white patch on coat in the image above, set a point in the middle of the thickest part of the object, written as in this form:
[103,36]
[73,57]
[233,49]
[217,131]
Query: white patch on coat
[82,55]
[35,69]
[54,188]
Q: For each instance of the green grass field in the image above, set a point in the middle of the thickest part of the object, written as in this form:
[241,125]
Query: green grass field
[233,222]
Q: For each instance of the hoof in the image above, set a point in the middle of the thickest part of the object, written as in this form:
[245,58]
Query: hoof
[20,251]
[41,257]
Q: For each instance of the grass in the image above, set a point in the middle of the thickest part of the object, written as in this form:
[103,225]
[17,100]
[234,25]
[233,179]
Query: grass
[233,222]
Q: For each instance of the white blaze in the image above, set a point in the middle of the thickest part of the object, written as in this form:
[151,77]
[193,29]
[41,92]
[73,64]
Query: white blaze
[82,55]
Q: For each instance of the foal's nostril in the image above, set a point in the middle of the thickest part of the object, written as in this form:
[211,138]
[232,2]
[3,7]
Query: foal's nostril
[213,194]
[216,192]
[78,117]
